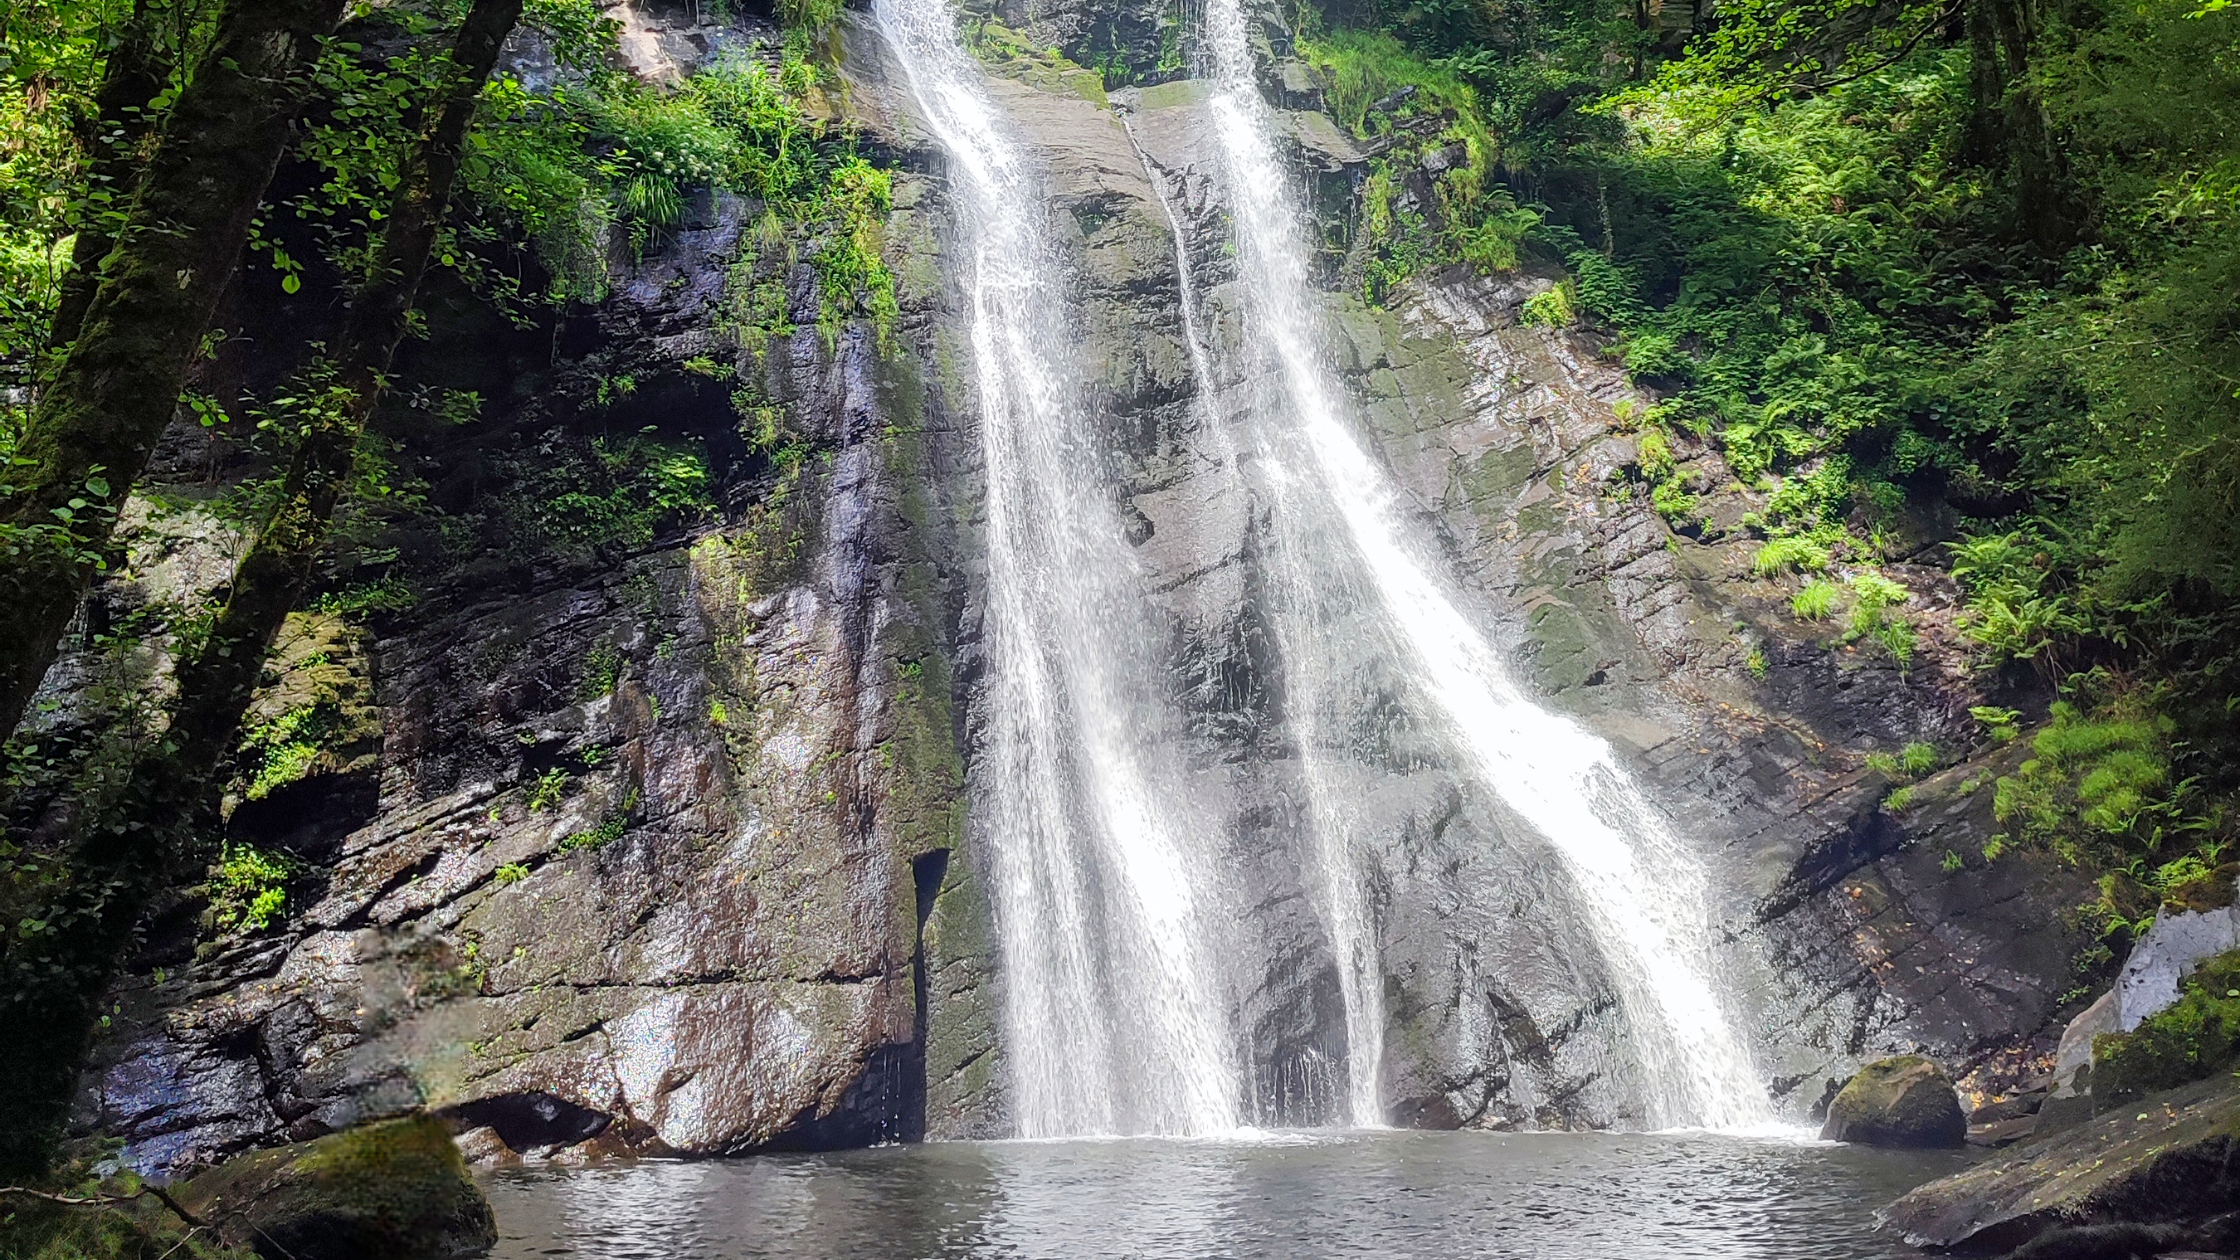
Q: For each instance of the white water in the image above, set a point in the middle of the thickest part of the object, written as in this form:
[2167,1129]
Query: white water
[1337,875]
[1643,890]
[1115,1018]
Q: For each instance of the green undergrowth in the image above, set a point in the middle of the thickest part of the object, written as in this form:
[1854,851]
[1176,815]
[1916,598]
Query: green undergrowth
[1416,114]
[122,1223]
[559,170]
[573,497]
[2102,791]
[249,889]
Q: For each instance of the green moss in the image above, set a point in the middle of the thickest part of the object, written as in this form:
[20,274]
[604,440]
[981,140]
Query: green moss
[2192,1040]
[397,1187]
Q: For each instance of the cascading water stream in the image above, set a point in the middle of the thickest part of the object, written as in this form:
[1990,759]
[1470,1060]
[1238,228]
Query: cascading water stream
[1336,879]
[1642,890]
[1115,1016]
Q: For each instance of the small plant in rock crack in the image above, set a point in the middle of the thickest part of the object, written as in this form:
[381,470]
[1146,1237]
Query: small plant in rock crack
[549,788]
[510,873]
[248,889]
[608,831]
[602,672]
[1815,601]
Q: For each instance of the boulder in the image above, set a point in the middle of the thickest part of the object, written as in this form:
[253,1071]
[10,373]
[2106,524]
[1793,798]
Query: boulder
[2170,1159]
[2178,943]
[2071,1099]
[394,1190]
[1905,1101]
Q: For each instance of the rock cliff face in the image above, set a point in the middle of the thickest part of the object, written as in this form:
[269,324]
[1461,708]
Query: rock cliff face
[670,848]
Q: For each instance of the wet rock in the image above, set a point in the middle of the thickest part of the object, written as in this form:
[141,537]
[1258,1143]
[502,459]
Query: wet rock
[2071,1097]
[394,1190]
[2115,1242]
[785,938]
[2002,1132]
[1905,1101]
[2013,1107]
[2170,1159]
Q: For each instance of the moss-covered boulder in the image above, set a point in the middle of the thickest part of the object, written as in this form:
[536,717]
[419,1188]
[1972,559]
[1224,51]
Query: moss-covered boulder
[2196,1038]
[1905,1101]
[395,1190]
[2173,1158]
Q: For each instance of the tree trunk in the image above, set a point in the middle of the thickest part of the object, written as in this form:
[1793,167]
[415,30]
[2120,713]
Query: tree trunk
[2008,127]
[94,425]
[130,83]
[121,862]
[217,682]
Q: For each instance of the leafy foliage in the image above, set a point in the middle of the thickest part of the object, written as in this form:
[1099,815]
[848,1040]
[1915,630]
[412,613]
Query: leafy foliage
[2095,782]
[1428,199]
[249,888]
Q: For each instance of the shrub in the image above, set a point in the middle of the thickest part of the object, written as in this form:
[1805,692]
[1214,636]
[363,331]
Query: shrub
[1550,308]
[248,889]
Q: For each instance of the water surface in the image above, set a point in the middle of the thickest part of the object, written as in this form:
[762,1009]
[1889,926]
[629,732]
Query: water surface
[1387,1195]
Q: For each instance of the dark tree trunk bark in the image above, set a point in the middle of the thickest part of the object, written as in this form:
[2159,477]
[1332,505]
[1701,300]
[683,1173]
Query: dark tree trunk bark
[217,682]
[96,422]
[130,83]
[2008,127]
[120,862]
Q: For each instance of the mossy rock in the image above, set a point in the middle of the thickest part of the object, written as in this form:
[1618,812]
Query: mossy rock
[1905,1101]
[395,1190]
[2170,1158]
[2194,1039]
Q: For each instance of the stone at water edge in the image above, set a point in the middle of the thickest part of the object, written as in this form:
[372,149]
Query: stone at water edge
[2071,1099]
[1905,1101]
[392,1190]
[2173,1158]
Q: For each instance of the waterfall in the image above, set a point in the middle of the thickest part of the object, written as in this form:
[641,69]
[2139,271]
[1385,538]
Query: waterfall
[1115,1016]
[1335,877]
[1643,891]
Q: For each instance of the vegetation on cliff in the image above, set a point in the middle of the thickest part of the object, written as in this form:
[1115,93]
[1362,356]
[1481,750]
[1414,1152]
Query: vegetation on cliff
[2194,1039]
[318,190]
[1952,285]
